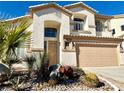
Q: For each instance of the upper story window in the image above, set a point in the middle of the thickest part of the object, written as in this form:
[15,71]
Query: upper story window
[78,24]
[122,28]
[50,32]
[99,26]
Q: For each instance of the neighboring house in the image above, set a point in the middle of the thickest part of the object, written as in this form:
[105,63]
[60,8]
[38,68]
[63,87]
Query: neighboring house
[73,35]
[117,26]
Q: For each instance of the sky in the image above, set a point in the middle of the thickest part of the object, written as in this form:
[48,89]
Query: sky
[20,8]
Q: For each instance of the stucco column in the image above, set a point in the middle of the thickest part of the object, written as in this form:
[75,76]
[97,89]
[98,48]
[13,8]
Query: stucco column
[38,33]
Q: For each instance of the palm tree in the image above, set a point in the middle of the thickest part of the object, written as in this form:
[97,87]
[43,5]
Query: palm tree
[12,35]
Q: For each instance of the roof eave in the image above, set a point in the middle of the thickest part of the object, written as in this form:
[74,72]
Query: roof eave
[44,6]
[76,37]
[103,16]
[80,4]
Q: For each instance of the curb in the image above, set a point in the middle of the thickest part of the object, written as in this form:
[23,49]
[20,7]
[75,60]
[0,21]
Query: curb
[115,87]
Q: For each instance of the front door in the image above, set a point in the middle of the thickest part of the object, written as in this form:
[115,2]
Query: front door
[52,52]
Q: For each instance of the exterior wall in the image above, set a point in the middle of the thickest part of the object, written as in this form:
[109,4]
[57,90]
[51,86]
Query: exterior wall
[107,30]
[116,24]
[121,58]
[38,27]
[69,58]
[62,22]
[104,34]
[90,20]
[22,51]
[122,53]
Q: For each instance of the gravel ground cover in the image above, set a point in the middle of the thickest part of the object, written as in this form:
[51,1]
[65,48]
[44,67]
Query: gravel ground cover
[66,85]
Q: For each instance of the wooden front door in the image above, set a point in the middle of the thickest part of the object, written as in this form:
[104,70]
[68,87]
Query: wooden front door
[52,52]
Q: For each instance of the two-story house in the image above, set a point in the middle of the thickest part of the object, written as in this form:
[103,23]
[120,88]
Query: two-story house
[74,35]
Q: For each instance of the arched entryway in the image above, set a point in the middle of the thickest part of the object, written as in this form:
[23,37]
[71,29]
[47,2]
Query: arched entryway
[51,40]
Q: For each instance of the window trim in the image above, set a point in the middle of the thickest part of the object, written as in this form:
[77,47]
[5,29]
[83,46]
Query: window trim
[99,26]
[78,24]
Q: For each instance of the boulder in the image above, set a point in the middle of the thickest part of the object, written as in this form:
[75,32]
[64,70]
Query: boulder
[68,71]
[55,74]
[54,67]
[4,72]
[62,69]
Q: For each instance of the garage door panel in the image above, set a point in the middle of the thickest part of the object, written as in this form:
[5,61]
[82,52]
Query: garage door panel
[97,56]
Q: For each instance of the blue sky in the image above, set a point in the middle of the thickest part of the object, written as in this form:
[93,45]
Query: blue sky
[20,8]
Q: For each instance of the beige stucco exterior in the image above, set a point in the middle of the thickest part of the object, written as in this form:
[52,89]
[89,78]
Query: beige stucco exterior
[62,18]
[116,24]
[89,20]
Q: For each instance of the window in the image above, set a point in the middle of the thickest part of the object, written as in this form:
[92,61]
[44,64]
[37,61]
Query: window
[50,32]
[122,28]
[66,44]
[99,26]
[78,24]
[113,32]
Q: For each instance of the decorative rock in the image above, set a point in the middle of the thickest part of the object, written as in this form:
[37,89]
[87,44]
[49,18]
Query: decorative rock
[67,71]
[4,72]
[54,67]
[52,82]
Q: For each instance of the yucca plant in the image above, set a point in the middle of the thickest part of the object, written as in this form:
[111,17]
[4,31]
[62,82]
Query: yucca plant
[12,35]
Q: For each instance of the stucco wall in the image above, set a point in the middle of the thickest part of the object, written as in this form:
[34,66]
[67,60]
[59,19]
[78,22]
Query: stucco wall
[104,34]
[49,14]
[116,24]
[38,24]
[121,58]
[22,51]
[107,28]
[69,58]
[90,19]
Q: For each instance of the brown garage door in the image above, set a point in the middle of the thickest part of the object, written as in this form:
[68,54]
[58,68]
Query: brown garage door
[95,55]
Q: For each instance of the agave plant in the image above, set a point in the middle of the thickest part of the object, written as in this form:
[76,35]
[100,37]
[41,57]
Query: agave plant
[12,35]
[42,66]
[30,63]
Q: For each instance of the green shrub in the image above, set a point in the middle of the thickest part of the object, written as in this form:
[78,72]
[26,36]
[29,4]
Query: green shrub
[91,80]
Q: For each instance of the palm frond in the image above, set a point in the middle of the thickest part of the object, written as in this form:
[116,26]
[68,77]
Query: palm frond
[12,34]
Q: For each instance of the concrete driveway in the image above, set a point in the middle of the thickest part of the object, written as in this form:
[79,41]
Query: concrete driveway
[113,74]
